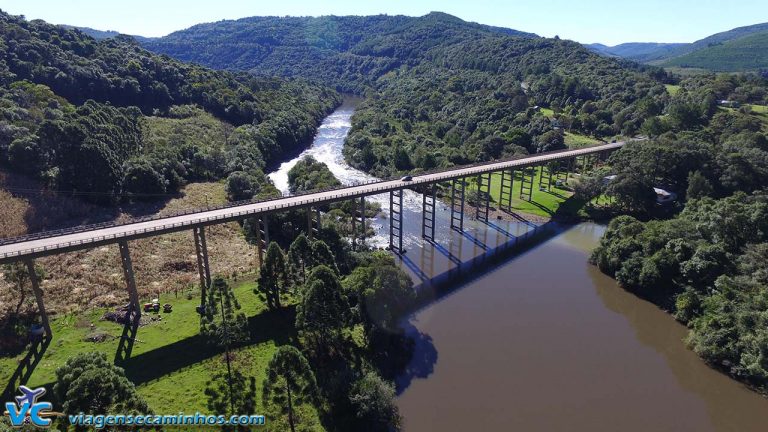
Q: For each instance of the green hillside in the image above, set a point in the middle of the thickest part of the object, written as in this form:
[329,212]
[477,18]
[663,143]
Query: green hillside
[737,50]
[441,91]
[747,53]
[74,115]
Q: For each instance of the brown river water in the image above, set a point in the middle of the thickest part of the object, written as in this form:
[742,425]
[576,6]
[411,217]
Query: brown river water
[545,342]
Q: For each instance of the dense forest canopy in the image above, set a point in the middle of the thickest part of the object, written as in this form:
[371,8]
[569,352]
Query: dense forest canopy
[442,91]
[74,112]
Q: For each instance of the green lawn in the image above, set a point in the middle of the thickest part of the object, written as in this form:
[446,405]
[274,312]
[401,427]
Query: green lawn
[672,89]
[547,112]
[543,203]
[760,109]
[573,140]
[170,362]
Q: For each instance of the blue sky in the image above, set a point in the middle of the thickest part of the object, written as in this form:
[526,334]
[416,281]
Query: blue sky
[605,21]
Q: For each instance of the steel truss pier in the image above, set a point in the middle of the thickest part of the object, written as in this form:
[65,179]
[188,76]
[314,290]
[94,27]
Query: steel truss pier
[457,204]
[396,221]
[429,198]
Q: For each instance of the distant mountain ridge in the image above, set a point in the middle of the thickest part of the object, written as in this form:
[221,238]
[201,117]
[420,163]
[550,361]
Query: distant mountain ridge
[440,91]
[642,52]
[737,50]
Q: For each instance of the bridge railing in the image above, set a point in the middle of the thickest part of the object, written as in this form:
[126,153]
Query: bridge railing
[478,168]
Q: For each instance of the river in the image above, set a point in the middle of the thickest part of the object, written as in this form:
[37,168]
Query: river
[542,341]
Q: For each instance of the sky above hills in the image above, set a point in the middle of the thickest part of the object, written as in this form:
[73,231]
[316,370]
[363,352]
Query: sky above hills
[606,21]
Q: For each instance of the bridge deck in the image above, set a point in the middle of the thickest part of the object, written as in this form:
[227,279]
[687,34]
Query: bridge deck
[85,238]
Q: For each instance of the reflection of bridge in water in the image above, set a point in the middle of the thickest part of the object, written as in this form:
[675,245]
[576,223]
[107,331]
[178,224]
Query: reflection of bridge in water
[465,245]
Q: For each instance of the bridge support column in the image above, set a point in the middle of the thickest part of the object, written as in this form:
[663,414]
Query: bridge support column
[457,204]
[203,268]
[428,212]
[362,220]
[507,182]
[526,183]
[35,282]
[262,235]
[483,197]
[358,216]
[396,221]
[561,172]
[133,314]
[545,177]
[314,223]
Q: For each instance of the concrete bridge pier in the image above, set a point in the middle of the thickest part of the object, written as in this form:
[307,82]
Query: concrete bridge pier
[262,235]
[133,313]
[35,282]
[203,267]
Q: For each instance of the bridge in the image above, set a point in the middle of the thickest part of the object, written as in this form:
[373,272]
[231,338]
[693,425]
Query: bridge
[552,166]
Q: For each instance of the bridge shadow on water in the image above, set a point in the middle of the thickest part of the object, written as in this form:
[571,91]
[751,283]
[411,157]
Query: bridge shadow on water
[432,288]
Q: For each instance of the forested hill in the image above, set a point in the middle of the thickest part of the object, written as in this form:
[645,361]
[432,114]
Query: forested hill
[106,118]
[738,50]
[441,91]
[347,51]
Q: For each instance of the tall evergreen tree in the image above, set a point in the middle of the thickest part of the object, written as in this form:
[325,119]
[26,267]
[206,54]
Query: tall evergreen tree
[289,385]
[273,276]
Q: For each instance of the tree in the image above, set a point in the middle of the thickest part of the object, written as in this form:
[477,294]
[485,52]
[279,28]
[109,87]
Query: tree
[698,186]
[89,383]
[142,181]
[17,274]
[550,141]
[373,400]
[308,174]
[289,385]
[589,187]
[231,395]
[273,276]
[221,324]
[384,291]
[322,255]
[299,259]
[633,193]
[241,186]
[322,313]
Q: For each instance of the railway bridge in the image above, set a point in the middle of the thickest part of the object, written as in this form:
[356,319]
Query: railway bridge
[552,166]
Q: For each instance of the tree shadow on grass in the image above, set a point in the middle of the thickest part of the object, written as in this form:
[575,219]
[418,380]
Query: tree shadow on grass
[276,326]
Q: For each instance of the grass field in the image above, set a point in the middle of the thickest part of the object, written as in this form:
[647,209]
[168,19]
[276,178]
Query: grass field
[573,140]
[170,363]
[758,111]
[672,89]
[547,112]
[543,203]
